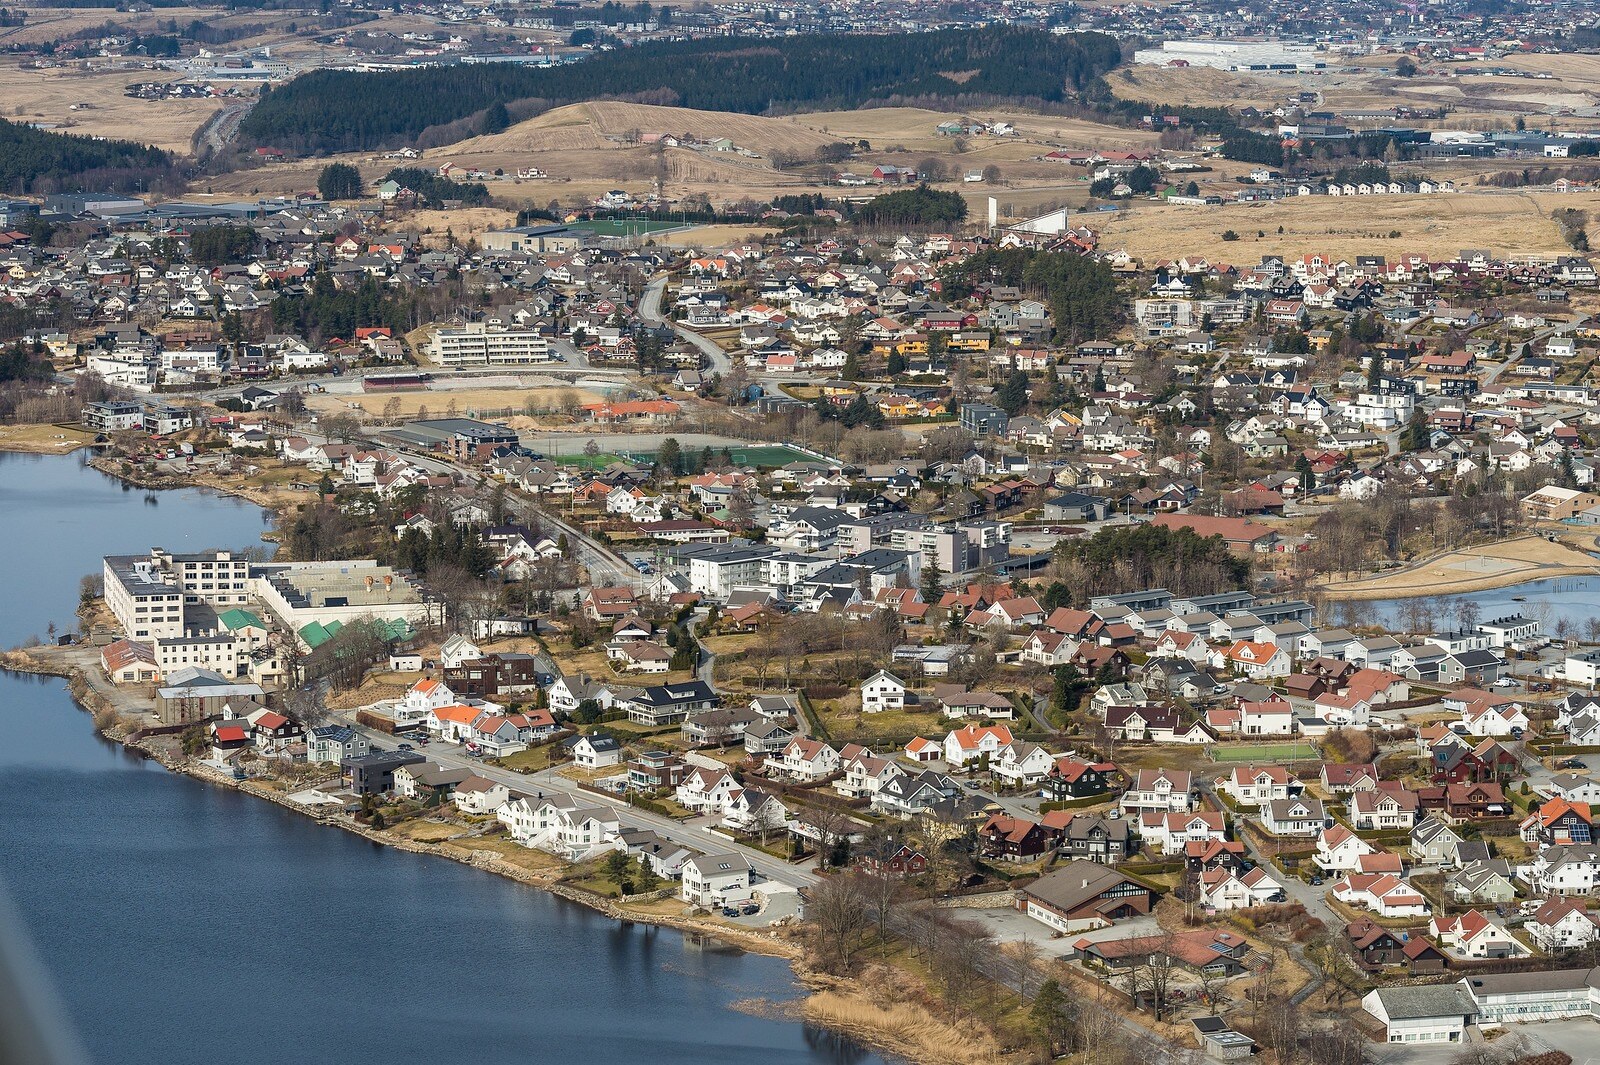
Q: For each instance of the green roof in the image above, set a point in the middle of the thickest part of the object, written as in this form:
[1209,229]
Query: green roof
[395,629]
[240,619]
[316,634]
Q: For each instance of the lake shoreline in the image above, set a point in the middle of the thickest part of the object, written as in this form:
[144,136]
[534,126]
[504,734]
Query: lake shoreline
[822,991]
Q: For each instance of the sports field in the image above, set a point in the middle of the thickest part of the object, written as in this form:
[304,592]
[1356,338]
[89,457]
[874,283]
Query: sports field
[1263,752]
[764,456]
[627,227]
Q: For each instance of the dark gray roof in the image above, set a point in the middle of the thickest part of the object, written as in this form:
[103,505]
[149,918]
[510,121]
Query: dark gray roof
[1427,1000]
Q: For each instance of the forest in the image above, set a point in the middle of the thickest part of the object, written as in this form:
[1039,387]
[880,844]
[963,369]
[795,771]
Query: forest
[34,160]
[1146,556]
[336,111]
[920,206]
[1082,293]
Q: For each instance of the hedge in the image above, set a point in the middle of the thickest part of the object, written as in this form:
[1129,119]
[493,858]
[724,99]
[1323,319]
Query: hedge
[1073,804]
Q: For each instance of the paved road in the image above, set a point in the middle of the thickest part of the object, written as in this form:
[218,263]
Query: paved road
[689,835]
[650,311]
[606,568]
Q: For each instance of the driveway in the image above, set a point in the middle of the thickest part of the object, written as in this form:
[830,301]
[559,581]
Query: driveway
[1008,925]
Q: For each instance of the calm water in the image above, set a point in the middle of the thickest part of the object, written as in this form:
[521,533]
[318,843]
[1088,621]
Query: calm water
[183,923]
[1575,598]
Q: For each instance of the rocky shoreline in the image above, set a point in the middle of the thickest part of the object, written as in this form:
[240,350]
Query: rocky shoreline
[843,1005]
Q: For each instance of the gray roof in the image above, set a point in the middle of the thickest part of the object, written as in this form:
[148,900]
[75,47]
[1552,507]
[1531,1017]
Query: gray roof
[1427,1000]
[1525,983]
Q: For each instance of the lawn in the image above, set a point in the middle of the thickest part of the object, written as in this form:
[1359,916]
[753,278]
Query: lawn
[762,456]
[1263,752]
[535,861]
[628,227]
[531,760]
[598,461]
[895,726]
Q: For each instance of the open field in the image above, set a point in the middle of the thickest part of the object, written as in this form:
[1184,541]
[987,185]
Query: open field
[607,122]
[48,96]
[769,456]
[586,150]
[1527,558]
[1507,221]
[712,236]
[1275,753]
[465,400]
[42,439]
[465,223]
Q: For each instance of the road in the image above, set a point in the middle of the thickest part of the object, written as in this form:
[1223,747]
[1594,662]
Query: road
[695,837]
[650,312]
[606,568]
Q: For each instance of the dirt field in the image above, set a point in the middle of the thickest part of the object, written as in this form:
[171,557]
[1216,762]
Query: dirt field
[1528,558]
[47,96]
[1509,222]
[466,400]
[712,236]
[468,223]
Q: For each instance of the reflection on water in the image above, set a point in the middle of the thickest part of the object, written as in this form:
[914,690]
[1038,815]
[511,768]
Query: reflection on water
[186,924]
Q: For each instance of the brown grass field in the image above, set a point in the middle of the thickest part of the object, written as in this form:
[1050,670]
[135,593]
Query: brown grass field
[48,96]
[1511,222]
[465,399]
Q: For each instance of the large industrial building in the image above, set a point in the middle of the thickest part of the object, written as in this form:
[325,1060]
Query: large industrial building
[1233,55]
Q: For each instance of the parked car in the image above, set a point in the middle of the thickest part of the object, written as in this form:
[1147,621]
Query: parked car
[729,911]
[407,747]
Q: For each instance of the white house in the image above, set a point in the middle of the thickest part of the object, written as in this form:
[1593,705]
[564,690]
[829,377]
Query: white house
[596,751]
[712,881]
[972,742]
[480,795]
[1221,889]
[422,699]
[1426,1013]
[1475,934]
[1340,850]
[1159,789]
[1562,924]
[882,691]
[1383,893]
[1251,785]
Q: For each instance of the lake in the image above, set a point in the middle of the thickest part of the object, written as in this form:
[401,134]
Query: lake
[185,924]
[1576,599]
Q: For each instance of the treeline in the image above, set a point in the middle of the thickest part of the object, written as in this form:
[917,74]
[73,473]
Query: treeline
[327,311]
[448,545]
[1146,556]
[34,160]
[912,207]
[216,245]
[20,363]
[1082,293]
[1243,146]
[329,110]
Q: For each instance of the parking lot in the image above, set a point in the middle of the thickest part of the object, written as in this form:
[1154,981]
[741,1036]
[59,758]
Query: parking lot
[1579,1038]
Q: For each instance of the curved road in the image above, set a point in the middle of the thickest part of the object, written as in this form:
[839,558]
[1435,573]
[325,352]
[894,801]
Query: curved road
[650,312]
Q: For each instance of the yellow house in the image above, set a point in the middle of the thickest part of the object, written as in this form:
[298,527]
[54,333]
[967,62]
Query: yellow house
[972,340]
[898,406]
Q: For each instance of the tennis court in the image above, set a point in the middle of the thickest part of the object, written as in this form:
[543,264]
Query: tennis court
[1263,752]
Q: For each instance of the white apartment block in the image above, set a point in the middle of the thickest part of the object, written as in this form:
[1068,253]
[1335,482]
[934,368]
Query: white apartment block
[488,344]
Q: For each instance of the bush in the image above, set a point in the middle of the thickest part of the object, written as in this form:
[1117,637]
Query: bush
[1229,235]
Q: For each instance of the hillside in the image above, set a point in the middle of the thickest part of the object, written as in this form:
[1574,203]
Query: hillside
[33,160]
[334,110]
[607,123]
